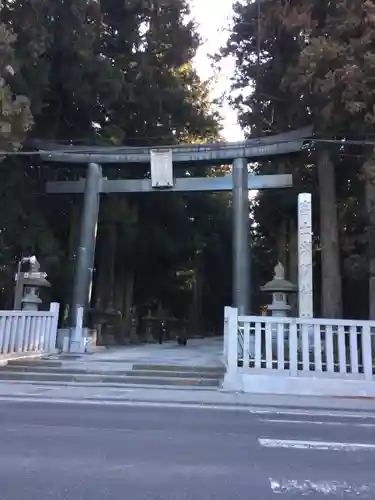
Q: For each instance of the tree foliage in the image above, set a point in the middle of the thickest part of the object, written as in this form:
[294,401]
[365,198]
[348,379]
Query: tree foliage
[315,66]
[15,116]
[117,73]
[122,73]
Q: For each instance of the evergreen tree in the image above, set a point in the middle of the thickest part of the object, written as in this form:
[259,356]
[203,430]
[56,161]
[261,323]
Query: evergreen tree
[118,73]
[15,115]
[335,75]
[263,49]
[315,65]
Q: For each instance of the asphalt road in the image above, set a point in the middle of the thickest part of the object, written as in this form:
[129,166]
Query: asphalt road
[89,452]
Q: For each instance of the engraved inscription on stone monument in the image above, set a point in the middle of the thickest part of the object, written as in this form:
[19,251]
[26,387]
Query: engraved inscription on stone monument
[305,282]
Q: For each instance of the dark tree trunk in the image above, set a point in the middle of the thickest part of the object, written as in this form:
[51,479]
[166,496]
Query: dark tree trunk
[331,306]
[369,172]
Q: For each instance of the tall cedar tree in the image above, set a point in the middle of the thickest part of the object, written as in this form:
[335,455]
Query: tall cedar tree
[120,73]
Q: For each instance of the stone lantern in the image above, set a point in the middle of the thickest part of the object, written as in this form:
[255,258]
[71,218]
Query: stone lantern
[32,286]
[29,284]
[279,287]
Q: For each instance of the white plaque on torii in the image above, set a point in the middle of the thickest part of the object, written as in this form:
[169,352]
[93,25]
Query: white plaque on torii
[161,168]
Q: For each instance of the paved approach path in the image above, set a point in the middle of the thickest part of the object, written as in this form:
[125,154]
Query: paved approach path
[206,352]
[80,452]
[197,352]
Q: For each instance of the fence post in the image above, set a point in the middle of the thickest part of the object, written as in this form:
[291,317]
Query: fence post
[232,379]
[54,308]
[367,353]
[225,343]
[20,334]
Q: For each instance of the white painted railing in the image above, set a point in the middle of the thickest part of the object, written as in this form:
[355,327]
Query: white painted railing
[305,348]
[28,331]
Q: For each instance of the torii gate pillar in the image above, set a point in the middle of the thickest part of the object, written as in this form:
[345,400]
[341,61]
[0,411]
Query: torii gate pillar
[85,257]
[241,237]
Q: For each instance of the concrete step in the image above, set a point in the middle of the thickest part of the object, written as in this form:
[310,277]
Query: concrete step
[41,368]
[180,368]
[34,362]
[24,362]
[174,374]
[107,379]
[121,387]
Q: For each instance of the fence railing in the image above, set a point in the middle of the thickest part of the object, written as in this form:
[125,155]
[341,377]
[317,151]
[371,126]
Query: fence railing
[29,331]
[300,347]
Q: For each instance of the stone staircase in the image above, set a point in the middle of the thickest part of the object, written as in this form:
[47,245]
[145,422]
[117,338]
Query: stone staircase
[68,372]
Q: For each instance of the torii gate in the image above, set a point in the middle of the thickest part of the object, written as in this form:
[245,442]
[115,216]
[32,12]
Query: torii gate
[162,159]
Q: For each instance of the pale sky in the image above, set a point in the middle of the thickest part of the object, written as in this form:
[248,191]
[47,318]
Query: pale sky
[213,16]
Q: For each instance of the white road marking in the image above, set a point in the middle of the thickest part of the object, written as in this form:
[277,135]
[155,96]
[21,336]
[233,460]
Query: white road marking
[314,422]
[313,413]
[314,445]
[339,488]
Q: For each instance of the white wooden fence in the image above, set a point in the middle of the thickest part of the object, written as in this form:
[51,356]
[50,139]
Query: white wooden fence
[299,356]
[28,331]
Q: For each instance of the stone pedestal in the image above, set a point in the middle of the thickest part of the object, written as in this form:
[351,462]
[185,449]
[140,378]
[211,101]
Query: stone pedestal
[68,343]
